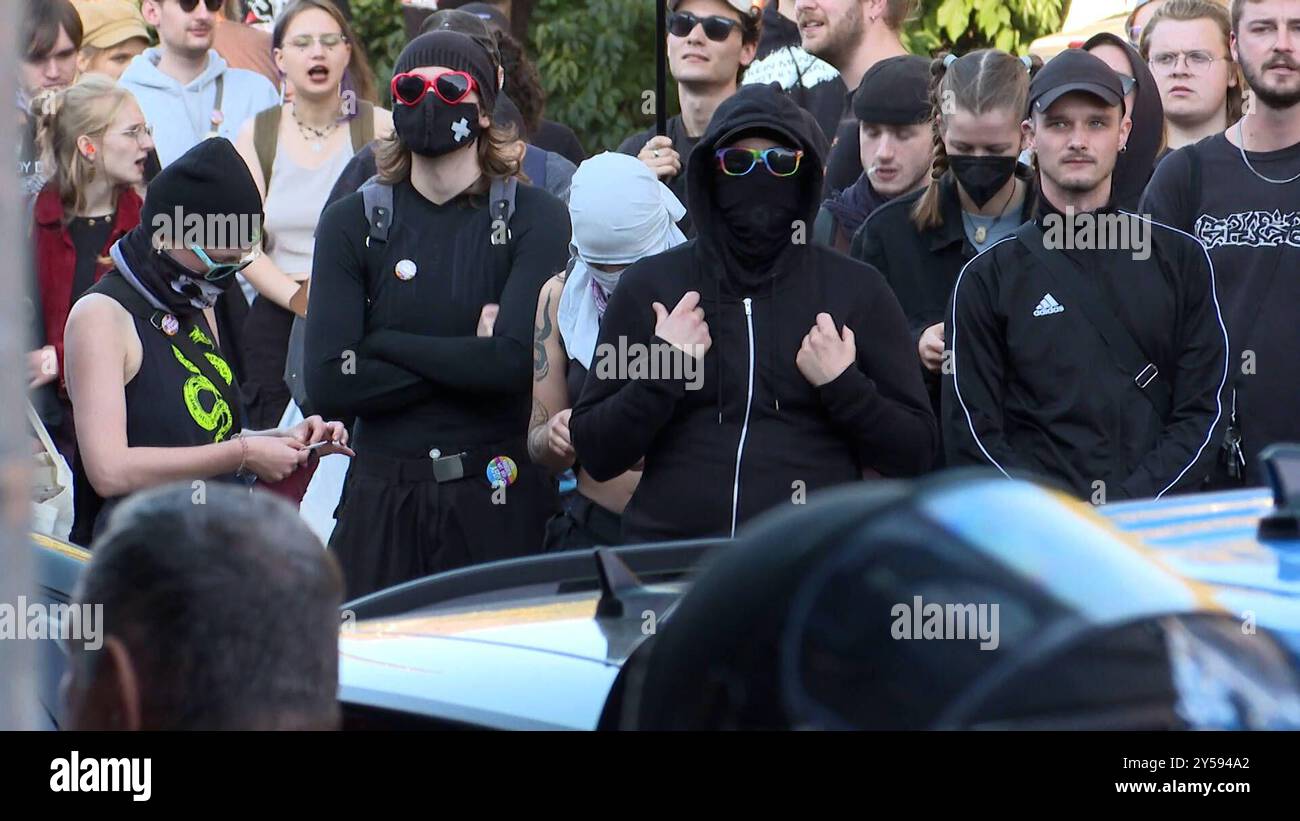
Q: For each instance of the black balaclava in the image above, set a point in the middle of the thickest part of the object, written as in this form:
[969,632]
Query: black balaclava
[207,185]
[432,127]
[757,212]
[1134,167]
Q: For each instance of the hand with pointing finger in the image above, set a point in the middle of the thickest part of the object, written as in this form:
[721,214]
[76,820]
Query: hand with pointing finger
[684,328]
[825,353]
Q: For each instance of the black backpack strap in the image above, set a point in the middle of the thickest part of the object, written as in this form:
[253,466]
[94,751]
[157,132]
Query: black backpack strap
[1074,290]
[378,199]
[501,202]
[501,207]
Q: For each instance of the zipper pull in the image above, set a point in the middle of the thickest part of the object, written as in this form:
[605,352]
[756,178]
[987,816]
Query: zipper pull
[748,312]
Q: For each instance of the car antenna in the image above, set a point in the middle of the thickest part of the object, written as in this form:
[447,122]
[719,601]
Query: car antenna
[615,578]
[1282,465]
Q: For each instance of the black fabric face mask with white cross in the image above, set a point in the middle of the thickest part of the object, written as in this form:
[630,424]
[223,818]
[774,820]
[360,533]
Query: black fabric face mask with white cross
[433,128]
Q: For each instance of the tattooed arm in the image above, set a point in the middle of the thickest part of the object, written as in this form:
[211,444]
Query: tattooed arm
[548,429]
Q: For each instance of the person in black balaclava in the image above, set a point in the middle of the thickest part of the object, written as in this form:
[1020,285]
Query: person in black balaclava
[750,366]
[155,399]
[1142,102]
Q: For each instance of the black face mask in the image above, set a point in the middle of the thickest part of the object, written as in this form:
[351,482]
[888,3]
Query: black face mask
[179,289]
[982,177]
[432,128]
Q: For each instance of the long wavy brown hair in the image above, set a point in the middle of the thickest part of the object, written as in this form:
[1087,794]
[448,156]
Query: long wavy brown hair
[499,155]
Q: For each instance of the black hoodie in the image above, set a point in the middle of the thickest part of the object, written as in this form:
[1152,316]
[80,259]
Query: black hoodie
[754,433]
[1134,167]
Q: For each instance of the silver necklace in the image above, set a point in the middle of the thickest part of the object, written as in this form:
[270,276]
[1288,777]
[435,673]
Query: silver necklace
[308,133]
[981,231]
[1241,146]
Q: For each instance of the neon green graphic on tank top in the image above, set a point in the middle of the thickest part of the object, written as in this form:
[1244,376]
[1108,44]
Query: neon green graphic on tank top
[219,418]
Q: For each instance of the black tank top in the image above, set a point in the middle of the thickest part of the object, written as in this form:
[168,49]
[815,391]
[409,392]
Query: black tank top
[183,395]
[573,380]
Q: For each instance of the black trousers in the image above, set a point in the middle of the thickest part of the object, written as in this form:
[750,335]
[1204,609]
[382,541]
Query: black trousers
[397,523]
[265,343]
[583,523]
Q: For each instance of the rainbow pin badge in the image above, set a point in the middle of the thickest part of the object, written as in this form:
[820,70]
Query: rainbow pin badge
[502,471]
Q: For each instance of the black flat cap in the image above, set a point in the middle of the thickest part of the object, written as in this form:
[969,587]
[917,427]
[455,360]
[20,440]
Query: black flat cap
[895,91]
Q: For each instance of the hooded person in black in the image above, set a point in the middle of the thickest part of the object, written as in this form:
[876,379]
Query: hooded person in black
[781,397]
[1142,102]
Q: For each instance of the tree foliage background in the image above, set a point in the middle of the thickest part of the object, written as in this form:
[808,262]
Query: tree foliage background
[596,57]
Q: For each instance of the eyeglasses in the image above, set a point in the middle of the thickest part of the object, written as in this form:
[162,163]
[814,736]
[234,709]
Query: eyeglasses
[737,162]
[1196,61]
[716,28]
[220,270]
[328,41]
[138,132]
[188,6]
[450,86]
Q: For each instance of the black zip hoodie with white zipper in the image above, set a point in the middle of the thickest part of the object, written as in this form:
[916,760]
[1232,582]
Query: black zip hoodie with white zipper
[755,434]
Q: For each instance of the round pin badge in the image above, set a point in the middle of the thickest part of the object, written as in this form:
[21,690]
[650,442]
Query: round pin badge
[502,471]
[170,325]
[405,270]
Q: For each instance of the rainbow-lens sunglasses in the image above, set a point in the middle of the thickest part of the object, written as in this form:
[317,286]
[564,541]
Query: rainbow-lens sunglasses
[778,160]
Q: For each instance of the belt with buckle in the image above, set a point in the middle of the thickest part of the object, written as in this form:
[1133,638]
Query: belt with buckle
[448,468]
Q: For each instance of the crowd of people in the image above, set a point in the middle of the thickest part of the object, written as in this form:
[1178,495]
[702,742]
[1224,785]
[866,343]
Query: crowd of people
[469,341]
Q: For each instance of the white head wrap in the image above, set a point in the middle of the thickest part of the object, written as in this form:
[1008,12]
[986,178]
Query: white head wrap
[620,213]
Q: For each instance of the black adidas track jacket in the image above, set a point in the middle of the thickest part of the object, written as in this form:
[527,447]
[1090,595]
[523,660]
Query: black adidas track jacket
[1030,387]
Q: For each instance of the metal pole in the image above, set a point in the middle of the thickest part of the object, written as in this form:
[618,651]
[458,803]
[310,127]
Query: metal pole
[661,67]
[17,658]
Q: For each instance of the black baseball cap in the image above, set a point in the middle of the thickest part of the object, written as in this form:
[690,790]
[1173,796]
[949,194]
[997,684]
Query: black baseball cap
[894,91]
[1075,70]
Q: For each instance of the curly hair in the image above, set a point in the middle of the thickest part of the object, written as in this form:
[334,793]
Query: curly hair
[523,84]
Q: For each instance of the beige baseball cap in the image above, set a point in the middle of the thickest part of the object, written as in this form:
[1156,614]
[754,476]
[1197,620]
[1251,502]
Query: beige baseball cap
[750,7]
[108,22]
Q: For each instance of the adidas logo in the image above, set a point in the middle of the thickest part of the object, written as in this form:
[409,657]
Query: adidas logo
[1048,305]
